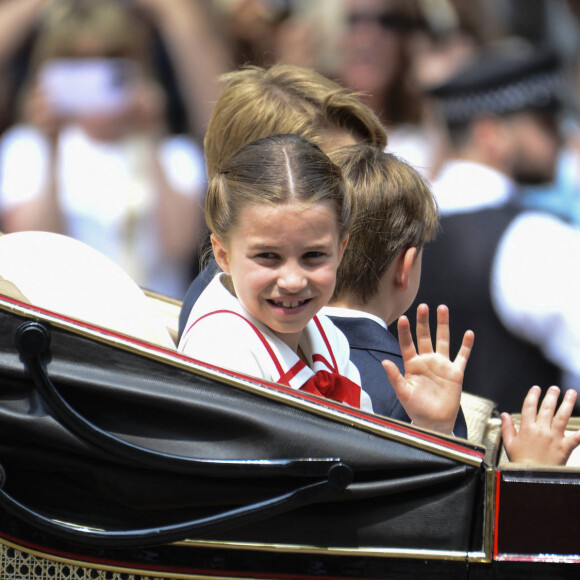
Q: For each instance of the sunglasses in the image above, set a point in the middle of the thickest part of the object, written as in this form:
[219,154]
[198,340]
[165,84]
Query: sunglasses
[386,20]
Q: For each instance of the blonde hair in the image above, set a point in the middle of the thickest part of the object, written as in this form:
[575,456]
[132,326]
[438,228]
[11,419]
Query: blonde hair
[393,210]
[259,102]
[275,170]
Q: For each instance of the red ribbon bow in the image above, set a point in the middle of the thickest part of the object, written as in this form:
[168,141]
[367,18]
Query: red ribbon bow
[334,386]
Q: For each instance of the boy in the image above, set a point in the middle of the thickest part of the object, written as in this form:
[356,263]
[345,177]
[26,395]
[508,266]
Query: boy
[394,215]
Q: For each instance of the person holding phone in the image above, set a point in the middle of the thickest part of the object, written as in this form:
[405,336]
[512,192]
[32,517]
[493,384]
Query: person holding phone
[92,158]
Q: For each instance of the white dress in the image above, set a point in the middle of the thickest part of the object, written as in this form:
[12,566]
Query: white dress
[221,332]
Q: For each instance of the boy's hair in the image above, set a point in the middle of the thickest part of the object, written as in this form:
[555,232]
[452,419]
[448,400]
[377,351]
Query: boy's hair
[260,102]
[275,170]
[393,210]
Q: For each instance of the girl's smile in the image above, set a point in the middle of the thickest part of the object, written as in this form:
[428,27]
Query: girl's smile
[282,260]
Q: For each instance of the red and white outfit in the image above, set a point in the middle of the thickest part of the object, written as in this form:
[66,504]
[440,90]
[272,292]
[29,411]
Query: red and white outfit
[221,332]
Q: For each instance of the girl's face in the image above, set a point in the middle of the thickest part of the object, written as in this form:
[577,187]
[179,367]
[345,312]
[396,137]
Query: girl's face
[283,260]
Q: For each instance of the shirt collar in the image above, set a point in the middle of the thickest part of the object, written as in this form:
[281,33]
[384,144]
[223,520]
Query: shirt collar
[352,313]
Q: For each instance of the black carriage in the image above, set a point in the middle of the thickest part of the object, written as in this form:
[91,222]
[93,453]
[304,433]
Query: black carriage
[123,459]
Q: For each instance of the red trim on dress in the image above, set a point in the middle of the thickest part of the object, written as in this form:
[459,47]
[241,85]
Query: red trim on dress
[255,329]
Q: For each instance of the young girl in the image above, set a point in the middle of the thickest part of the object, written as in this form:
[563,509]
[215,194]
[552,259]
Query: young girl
[279,216]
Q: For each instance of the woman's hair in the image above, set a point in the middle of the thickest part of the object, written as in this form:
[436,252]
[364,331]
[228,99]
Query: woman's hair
[402,100]
[393,209]
[259,102]
[275,170]
[114,30]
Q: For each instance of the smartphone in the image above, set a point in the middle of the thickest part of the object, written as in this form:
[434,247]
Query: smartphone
[83,86]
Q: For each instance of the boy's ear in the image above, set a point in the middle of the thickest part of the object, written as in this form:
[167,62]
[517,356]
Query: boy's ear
[405,262]
[220,254]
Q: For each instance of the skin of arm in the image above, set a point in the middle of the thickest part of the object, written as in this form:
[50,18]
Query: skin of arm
[541,439]
[430,390]
[179,216]
[17,17]
[196,50]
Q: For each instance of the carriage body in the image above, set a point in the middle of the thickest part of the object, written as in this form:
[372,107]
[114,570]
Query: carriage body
[123,459]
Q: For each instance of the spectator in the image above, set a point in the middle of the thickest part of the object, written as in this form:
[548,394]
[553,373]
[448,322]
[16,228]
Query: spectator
[376,47]
[504,272]
[105,172]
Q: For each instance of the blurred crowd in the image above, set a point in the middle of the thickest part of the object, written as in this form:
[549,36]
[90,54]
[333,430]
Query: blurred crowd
[104,105]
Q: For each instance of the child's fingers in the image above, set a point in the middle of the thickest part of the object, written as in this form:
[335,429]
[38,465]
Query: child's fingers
[548,407]
[442,341]
[405,339]
[565,411]
[396,379]
[508,431]
[572,441]
[530,406]
[424,343]
[465,350]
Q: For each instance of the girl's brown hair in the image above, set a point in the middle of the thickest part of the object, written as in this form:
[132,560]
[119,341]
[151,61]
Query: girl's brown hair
[275,170]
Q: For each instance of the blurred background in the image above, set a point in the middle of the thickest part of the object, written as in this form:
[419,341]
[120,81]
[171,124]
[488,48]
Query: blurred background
[104,106]
[139,158]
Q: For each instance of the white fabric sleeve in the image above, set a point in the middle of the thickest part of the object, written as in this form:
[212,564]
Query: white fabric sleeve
[535,286]
[184,166]
[24,158]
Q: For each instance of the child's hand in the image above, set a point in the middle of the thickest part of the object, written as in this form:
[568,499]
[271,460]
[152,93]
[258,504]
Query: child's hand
[541,439]
[430,391]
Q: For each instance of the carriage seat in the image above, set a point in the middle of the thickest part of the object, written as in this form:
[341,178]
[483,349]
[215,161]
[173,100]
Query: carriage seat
[63,275]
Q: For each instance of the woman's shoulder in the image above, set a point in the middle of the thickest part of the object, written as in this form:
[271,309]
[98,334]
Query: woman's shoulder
[25,138]
[184,161]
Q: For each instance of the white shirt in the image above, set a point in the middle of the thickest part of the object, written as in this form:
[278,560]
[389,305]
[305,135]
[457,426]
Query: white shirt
[535,287]
[464,186]
[219,331]
[415,144]
[535,278]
